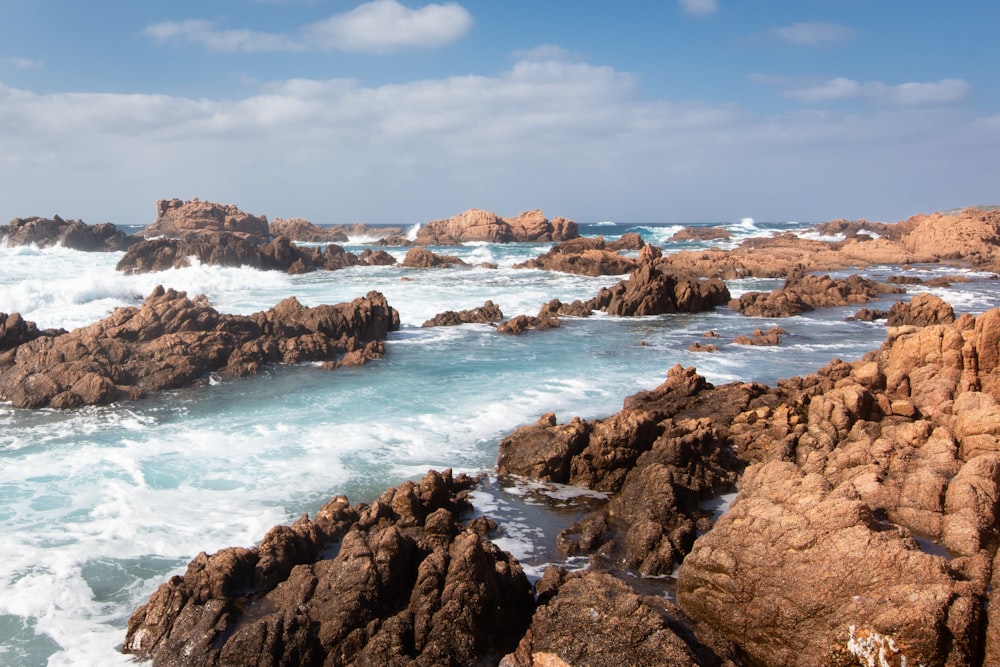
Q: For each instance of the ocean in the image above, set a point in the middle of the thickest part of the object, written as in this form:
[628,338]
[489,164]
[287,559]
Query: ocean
[100,505]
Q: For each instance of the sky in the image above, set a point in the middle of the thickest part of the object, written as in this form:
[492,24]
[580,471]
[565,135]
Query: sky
[406,111]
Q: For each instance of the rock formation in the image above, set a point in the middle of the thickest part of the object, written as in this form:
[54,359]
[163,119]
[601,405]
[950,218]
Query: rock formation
[478,225]
[15,330]
[588,256]
[172,341]
[182,219]
[802,293]
[421,258]
[922,310]
[401,581]
[488,313]
[75,234]
[303,231]
[701,234]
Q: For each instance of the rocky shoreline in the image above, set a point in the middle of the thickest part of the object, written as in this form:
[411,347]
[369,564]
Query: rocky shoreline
[864,531]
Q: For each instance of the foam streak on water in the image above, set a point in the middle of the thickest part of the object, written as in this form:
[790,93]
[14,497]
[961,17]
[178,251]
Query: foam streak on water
[98,506]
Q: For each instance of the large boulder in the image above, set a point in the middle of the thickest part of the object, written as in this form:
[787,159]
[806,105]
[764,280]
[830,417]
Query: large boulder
[401,581]
[181,219]
[650,291]
[172,341]
[479,225]
[75,234]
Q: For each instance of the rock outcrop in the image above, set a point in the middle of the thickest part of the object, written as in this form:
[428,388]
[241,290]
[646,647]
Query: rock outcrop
[301,230]
[15,330]
[182,219]
[172,341]
[478,225]
[588,256]
[922,310]
[227,249]
[75,234]
[803,293]
[488,313]
[401,581]
[701,234]
[649,291]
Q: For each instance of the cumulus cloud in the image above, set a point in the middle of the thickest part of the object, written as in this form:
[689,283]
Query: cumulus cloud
[946,91]
[380,26]
[571,138]
[699,7]
[815,33]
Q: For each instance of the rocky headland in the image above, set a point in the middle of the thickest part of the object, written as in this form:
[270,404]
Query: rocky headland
[54,231]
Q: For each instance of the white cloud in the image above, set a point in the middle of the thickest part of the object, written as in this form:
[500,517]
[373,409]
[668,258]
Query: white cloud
[699,7]
[385,25]
[21,63]
[571,138]
[815,33]
[946,91]
[380,26]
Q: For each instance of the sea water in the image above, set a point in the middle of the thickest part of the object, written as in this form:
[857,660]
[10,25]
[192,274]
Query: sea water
[100,505]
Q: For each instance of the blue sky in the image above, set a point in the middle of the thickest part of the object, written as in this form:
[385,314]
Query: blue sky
[406,111]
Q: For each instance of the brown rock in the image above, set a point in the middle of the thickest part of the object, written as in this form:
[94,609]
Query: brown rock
[701,234]
[300,229]
[407,585]
[182,219]
[922,310]
[75,234]
[478,225]
[172,341]
[649,291]
[421,258]
[488,313]
[762,338]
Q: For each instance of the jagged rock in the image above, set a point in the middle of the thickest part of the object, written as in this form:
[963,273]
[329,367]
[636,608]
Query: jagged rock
[869,315]
[478,225]
[702,347]
[15,330]
[75,234]
[488,313]
[183,219]
[421,258]
[922,310]
[648,291]
[408,584]
[173,341]
[376,257]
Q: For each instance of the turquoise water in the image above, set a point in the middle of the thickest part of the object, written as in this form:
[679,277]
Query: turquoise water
[98,506]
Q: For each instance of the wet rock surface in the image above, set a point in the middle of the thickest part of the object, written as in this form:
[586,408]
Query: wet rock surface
[172,341]
[403,581]
[488,313]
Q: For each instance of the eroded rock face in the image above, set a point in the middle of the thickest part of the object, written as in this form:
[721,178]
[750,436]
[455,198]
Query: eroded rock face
[479,225]
[75,234]
[300,229]
[649,291]
[172,341]
[400,581]
[421,258]
[588,256]
[922,310]
[15,330]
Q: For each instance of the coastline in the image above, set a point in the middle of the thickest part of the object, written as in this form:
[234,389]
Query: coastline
[543,334]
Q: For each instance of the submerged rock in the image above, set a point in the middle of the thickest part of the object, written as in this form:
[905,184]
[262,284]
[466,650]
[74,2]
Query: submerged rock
[172,341]
[400,581]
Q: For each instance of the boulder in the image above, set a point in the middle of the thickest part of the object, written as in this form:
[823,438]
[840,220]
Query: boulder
[400,581]
[182,219]
[588,256]
[701,234]
[300,229]
[15,330]
[761,338]
[803,293]
[172,341]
